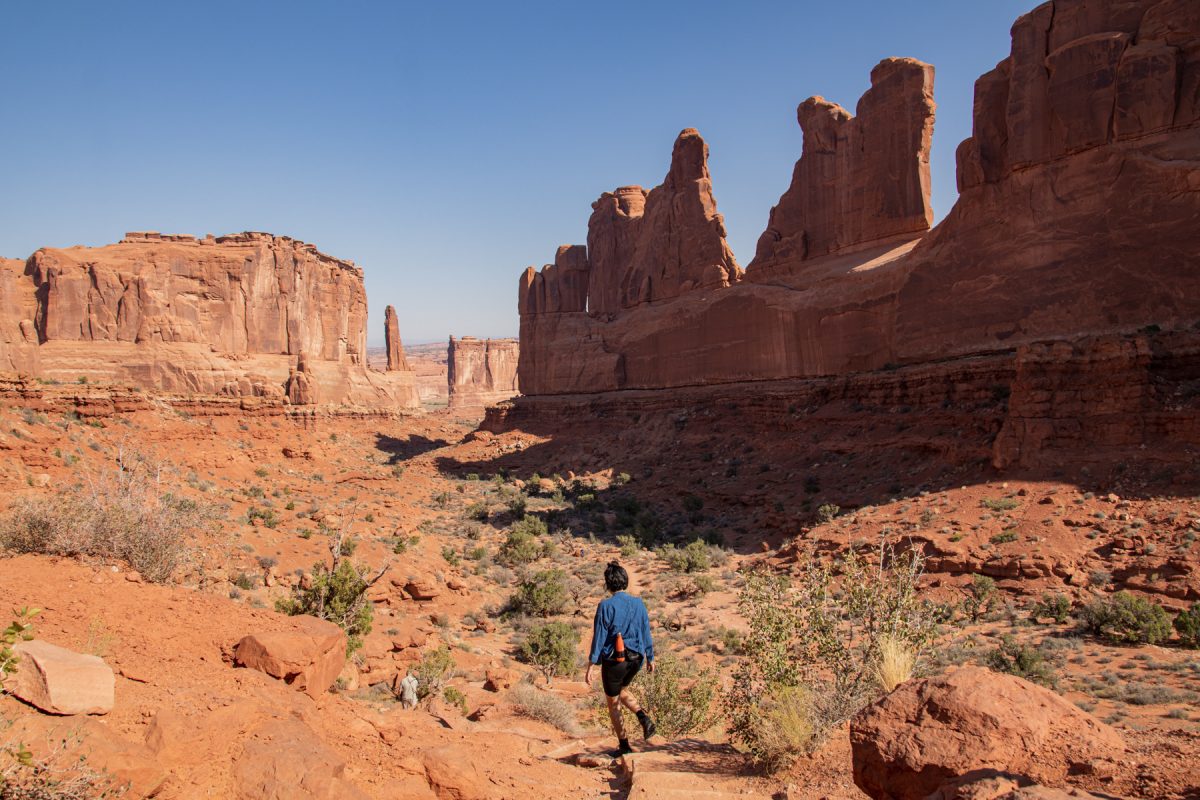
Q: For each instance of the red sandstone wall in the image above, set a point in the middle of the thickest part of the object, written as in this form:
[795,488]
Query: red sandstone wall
[1077,216]
[481,372]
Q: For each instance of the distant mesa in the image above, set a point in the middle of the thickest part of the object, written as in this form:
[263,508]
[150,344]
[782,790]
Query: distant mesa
[481,372]
[245,315]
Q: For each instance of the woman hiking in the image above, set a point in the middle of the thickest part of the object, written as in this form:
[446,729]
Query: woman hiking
[620,643]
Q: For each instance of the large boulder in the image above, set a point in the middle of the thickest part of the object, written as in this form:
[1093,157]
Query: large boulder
[310,657]
[927,733]
[61,681]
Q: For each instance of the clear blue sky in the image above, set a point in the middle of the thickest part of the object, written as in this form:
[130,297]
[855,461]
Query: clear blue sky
[443,146]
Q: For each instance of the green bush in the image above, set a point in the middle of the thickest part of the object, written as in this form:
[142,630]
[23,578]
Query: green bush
[1126,618]
[680,698]
[337,593]
[1187,624]
[432,670]
[551,648]
[695,557]
[456,698]
[1054,606]
[20,630]
[516,506]
[534,526]
[629,545]
[999,504]
[827,512]
[520,547]
[982,594]
[478,511]
[543,595]
[1023,661]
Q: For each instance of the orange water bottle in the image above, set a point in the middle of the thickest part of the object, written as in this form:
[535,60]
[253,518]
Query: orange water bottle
[619,649]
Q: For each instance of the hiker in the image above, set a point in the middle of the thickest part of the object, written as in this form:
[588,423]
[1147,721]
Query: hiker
[620,643]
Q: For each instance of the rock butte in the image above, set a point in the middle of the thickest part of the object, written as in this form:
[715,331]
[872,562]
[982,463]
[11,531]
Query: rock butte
[481,372]
[246,315]
[1072,240]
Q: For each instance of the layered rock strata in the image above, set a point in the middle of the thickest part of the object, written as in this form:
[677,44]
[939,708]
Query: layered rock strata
[481,372]
[245,315]
[1076,217]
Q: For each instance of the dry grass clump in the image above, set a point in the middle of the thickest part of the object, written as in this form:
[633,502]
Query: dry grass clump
[534,703]
[894,663]
[124,514]
[788,727]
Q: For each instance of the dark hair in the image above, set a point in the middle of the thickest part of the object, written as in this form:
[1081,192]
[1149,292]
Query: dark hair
[615,577]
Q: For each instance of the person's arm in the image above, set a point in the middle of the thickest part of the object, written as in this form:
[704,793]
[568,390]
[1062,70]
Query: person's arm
[597,646]
[648,637]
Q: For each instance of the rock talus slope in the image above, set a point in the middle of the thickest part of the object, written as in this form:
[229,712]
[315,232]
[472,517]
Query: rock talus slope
[231,315]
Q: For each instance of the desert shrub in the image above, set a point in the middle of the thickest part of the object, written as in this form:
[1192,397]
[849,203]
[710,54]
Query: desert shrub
[520,547]
[456,698]
[1187,624]
[534,703]
[432,670]
[516,506]
[60,772]
[813,647]
[542,595]
[680,698]
[123,514]
[1126,618]
[533,526]
[981,596]
[551,648]
[20,630]
[338,593]
[695,557]
[1023,661]
[999,504]
[629,545]
[478,511]
[827,512]
[1053,606]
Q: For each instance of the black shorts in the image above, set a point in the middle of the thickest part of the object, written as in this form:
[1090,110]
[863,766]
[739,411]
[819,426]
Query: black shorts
[616,675]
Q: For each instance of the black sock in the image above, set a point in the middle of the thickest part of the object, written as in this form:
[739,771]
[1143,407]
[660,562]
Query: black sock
[641,714]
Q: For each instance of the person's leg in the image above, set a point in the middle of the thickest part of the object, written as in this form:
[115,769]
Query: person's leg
[628,700]
[614,714]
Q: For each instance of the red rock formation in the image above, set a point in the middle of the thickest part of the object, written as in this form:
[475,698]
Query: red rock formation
[1076,218]
[481,372]
[391,334]
[973,722]
[226,315]
[860,179]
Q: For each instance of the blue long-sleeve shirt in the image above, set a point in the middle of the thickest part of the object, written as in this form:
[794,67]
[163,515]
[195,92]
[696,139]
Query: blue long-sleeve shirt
[624,614]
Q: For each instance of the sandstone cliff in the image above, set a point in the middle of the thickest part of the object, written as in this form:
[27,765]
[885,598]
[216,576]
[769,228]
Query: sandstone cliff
[391,334]
[244,315]
[481,372]
[1076,217]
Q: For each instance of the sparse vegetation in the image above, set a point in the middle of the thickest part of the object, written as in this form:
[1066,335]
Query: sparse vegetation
[1023,661]
[999,504]
[695,557]
[122,514]
[1126,618]
[432,670]
[1053,606]
[1187,625]
[551,647]
[521,547]
[534,703]
[19,630]
[813,647]
[981,596]
[336,592]
[542,595]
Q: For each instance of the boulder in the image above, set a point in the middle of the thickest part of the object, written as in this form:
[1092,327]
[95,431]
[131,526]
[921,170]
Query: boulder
[421,589]
[930,732]
[310,657]
[61,681]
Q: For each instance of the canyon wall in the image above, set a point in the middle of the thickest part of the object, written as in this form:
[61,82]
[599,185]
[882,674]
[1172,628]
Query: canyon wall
[1076,217]
[481,372]
[246,315]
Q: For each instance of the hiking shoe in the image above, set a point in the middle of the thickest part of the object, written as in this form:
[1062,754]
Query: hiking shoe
[648,726]
[623,748]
